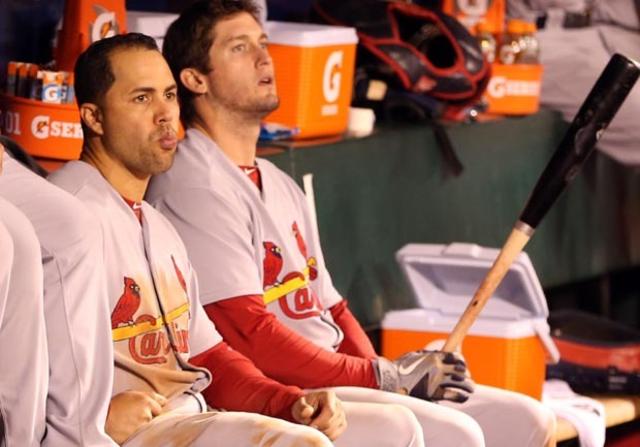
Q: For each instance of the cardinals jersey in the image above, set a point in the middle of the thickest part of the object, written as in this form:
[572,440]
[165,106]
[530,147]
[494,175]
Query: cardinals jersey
[156,322]
[6,260]
[266,239]
[23,348]
[75,308]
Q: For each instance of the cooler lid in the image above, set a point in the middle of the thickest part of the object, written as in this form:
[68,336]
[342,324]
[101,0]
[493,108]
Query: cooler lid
[445,277]
[309,35]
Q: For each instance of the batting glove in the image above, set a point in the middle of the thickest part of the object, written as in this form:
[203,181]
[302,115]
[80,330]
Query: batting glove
[429,375]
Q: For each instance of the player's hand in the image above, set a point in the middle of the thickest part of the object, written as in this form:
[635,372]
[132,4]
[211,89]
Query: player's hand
[130,410]
[321,410]
[429,375]
[1,155]
[444,375]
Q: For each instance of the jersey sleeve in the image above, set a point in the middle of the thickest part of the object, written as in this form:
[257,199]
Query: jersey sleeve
[355,340]
[209,224]
[237,385]
[281,353]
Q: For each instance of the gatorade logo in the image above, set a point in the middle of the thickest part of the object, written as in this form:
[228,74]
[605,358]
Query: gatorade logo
[499,87]
[331,81]
[105,24]
[42,127]
[473,7]
[52,93]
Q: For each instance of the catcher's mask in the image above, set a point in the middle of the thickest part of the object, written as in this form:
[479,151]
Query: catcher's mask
[412,48]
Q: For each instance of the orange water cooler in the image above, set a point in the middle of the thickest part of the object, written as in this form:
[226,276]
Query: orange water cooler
[314,67]
[53,131]
[507,347]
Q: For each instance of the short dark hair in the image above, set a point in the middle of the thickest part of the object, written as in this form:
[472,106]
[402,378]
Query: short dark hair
[93,73]
[189,38]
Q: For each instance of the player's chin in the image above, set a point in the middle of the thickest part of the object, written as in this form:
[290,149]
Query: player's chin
[163,161]
[268,104]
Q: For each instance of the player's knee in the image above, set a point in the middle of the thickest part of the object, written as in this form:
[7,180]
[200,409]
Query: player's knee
[466,431]
[543,424]
[402,425]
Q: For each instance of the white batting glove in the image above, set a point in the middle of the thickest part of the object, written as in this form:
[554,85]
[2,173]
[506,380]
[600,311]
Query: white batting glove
[429,375]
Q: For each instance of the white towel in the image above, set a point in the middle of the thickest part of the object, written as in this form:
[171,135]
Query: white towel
[585,414]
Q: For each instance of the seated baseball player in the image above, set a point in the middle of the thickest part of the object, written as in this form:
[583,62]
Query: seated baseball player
[23,349]
[251,239]
[167,352]
[80,368]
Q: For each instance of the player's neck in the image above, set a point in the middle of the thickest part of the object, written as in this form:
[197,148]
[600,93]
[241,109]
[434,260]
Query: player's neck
[236,135]
[126,183]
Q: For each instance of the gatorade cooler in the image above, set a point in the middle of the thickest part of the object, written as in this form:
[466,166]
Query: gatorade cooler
[509,343]
[85,22]
[514,89]
[43,129]
[314,67]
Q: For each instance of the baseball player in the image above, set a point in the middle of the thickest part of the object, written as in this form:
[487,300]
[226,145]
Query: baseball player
[167,352]
[75,304]
[585,34]
[263,279]
[23,350]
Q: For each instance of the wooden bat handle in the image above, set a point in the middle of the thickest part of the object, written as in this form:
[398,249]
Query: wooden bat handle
[520,235]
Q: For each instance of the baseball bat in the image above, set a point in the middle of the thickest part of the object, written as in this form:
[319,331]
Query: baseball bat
[595,114]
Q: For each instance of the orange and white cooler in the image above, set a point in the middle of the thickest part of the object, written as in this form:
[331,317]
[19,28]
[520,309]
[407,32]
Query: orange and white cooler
[514,89]
[314,66]
[43,129]
[508,345]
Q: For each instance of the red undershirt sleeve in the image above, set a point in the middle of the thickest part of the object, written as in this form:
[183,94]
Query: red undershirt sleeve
[355,341]
[281,353]
[238,385]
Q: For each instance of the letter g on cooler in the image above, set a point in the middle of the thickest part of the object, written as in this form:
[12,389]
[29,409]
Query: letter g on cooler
[332,77]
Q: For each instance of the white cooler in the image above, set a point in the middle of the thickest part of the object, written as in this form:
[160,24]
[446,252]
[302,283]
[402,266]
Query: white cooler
[507,346]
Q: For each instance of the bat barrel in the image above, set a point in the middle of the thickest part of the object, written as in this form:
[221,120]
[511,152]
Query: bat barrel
[597,111]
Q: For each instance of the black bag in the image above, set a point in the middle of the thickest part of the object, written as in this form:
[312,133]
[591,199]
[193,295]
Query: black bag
[596,355]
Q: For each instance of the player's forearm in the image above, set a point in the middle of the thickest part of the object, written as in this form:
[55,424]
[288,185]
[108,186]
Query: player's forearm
[281,353]
[238,385]
[356,342]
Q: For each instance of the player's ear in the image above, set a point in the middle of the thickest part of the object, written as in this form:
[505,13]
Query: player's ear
[194,81]
[91,116]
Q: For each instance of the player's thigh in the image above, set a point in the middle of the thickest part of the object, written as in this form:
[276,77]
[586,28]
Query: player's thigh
[225,429]
[380,425]
[441,426]
[508,418]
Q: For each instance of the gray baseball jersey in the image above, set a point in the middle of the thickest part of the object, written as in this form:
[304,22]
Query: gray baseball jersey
[76,316]
[246,242]
[155,323]
[236,234]
[23,348]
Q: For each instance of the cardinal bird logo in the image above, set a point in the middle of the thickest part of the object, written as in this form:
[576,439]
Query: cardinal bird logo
[311,262]
[127,304]
[272,264]
[183,283]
